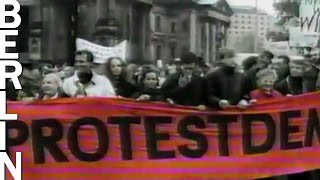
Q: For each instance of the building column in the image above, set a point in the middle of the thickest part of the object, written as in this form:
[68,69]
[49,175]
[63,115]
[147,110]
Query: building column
[56,33]
[193,32]
[214,43]
[207,50]
[102,8]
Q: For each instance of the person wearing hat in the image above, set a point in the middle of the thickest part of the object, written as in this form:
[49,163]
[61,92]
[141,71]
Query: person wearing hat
[227,87]
[185,87]
[293,83]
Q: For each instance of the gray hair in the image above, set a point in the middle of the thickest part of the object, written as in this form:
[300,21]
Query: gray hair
[55,77]
[266,72]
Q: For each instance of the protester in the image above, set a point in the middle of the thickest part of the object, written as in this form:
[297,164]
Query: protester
[149,88]
[249,62]
[185,87]
[132,70]
[205,68]
[115,70]
[264,60]
[311,73]
[226,86]
[29,79]
[265,82]
[51,87]
[85,82]
[283,69]
[293,84]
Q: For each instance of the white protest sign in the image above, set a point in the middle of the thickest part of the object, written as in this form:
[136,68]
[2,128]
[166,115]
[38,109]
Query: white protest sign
[302,39]
[279,48]
[309,15]
[101,53]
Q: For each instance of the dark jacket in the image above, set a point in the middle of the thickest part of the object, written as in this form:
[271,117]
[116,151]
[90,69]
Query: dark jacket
[123,87]
[155,94]
[310,79]
[190,95]
[251,74]
[231,86]
[290,85]
[11,92]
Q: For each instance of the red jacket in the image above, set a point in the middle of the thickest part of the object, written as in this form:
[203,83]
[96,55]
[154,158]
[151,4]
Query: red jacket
[261,95]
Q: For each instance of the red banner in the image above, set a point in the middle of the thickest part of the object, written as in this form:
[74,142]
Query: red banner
[121,139]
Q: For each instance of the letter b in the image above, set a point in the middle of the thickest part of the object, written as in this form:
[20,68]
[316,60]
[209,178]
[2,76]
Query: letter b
[13,13]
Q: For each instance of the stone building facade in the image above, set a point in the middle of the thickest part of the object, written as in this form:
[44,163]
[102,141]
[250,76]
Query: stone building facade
[154,29]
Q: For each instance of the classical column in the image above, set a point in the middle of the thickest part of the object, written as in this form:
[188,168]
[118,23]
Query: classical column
[56,33]
[103,8]
[207,51]
[193,32]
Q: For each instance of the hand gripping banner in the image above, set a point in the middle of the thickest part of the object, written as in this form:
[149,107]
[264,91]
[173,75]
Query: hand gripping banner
[121,139]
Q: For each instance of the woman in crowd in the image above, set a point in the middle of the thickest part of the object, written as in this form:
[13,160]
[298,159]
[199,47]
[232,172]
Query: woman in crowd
[116,73]
[51,87]
[265,82]
[149,87]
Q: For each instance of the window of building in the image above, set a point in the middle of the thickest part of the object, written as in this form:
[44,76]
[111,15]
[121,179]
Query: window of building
[249,22]
[158,52]
[235,21]
[236,16]
[262,28]
[173,51]
[236,27]
[261,23]
[173,27]
[249,17]
[249,27]
[242,16]
[242,27]
[158,24]
[236,32]
[242,22]
[262,34]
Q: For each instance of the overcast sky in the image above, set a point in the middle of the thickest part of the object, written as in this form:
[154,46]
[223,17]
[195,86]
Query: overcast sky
[262,4]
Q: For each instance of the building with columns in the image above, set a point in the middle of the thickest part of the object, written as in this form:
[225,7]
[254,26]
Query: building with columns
[187,25]
[158,29]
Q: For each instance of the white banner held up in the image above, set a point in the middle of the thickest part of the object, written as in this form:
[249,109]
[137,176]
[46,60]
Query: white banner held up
[101,53]
[303,39]
[279,48]
[309,15]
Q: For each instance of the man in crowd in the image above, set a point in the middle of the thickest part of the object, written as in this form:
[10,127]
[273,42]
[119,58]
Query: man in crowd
[185,87]
[85,82]
[226,86]
[281,65]
[292,85]
[29,79]
[263,61]
[311,73]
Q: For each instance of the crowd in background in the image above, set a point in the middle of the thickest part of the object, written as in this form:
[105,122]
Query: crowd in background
[188,81]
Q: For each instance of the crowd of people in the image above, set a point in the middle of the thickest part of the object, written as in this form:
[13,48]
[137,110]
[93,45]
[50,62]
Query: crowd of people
[189,82]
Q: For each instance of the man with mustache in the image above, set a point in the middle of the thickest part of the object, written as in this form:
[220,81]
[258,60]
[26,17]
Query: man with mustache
[85,82]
